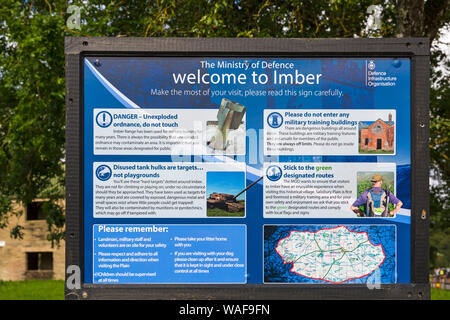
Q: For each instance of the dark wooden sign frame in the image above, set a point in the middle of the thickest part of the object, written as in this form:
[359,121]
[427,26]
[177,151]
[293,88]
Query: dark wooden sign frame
[417,49]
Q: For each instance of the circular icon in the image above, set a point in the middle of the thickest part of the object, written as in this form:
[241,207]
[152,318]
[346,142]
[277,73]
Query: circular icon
[103,172]
[274,173]
[397,63]
[103,119]
[275,120]
[371,65]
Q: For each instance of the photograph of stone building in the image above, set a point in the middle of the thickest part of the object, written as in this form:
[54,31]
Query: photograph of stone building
[377,136]
[32,257]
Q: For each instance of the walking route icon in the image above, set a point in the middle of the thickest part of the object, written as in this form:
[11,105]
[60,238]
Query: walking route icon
[274,173]
[333,254]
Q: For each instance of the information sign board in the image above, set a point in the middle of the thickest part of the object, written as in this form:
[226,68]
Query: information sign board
[225,168]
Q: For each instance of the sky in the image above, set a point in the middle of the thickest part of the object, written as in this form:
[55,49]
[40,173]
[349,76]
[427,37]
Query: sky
[225,182]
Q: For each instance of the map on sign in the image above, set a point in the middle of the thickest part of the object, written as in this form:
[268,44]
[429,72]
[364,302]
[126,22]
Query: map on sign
[335,254]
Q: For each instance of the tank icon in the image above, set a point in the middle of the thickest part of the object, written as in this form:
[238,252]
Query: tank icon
[103,172]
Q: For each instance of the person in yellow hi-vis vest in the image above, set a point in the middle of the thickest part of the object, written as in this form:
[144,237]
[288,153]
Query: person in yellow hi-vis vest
[376,201]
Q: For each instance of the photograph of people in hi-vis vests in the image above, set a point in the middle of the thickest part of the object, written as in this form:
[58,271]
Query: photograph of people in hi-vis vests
[376,199]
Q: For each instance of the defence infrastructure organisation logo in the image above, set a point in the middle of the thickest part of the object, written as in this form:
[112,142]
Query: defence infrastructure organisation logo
[377,74]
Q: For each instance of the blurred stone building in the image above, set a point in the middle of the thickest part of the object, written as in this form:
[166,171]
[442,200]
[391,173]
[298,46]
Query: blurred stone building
[32,257]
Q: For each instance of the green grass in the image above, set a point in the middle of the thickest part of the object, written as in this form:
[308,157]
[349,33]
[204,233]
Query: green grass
[217,212]
[438,294]
[375,151]
[54,290]
[363,180]
[32,290]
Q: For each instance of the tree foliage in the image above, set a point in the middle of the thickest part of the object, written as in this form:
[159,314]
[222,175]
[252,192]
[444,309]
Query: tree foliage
[32,74]
[32,108]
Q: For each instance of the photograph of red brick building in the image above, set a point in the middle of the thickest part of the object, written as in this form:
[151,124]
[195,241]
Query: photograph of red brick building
[377,136]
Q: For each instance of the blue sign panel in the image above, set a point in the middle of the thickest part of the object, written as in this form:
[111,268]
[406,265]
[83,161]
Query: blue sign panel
[247,170]
[169,253]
